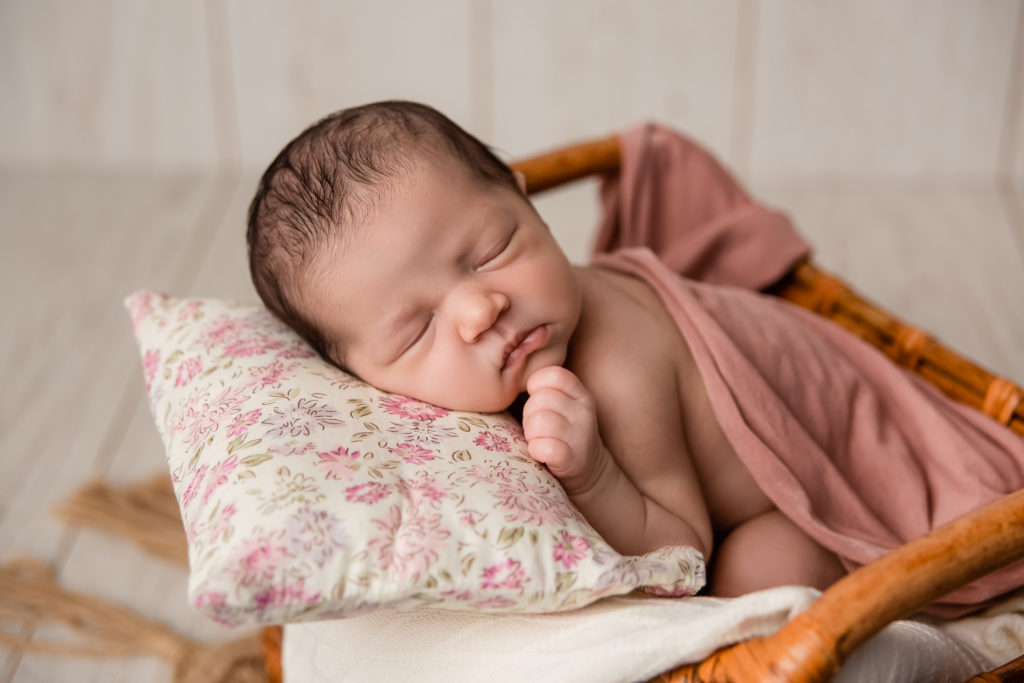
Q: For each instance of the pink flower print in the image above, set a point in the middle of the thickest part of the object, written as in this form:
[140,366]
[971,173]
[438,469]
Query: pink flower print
[300,418]
[187,370]
[192,528]
[231,400]
[513,429]
[314,534]
[189,309]
[460,596]
[220,527]
[202,418]
[251,346]
[296,350]
[570,549]
[290,489]
[269,375]
[424,489]
[412,409]
[335,464]
[508,574]
[220,332]
[139,307]
[526,503]
[242,422]
[211,598]
[197,425]
[292,447]
[261,556]
[421,431]
[498,473]
[150,364]
[368,493]
[193,485]
[215,605]
[219,476]
[493,442]
[409,543]
[413,454]
[285,594]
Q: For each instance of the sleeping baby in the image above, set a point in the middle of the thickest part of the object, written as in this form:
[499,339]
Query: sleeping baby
[405,252]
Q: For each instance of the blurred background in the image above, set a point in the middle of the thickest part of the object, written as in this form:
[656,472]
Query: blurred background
[133,132]
[914,90]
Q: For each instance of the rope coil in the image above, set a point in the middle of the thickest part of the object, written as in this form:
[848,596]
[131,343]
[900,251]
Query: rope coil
[30,595]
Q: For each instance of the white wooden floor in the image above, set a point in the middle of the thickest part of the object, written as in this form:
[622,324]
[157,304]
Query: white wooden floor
[949,259]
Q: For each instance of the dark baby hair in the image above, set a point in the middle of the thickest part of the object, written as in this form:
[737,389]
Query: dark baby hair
[329,177]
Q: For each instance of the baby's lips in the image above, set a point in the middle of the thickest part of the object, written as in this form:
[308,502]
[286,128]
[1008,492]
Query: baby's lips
[535,339]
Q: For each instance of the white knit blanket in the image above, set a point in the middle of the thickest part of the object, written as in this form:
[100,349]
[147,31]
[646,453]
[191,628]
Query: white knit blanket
[625,639]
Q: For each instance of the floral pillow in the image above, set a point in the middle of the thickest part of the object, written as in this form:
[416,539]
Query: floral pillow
[306,493]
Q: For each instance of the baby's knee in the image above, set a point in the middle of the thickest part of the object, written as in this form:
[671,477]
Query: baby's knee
[770,550]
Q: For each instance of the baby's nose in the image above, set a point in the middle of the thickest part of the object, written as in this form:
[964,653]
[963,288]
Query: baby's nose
[477,312]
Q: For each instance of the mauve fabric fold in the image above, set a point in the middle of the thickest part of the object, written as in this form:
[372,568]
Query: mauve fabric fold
[862,454]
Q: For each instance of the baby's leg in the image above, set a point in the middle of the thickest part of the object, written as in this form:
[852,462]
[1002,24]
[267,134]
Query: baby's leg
[770,550]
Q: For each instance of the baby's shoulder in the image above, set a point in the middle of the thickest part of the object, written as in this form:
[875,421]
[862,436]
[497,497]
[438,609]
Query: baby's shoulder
[627,346]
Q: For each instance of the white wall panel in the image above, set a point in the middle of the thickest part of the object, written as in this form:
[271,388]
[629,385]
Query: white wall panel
[1011,162]
[580,68]
[296,62]
[887,90]
[106,82]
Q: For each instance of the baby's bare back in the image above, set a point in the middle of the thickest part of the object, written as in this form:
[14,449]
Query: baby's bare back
[654,412]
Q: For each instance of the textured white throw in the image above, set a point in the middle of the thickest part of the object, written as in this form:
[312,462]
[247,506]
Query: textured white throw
[618,639]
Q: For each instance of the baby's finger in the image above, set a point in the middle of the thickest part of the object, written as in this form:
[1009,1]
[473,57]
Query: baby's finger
[545,423]
[552,452]
[558,378]
[548,399]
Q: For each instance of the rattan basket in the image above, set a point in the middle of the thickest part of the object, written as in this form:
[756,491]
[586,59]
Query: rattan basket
[814,644]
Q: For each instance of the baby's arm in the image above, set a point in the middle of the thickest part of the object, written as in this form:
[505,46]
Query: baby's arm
[560,423]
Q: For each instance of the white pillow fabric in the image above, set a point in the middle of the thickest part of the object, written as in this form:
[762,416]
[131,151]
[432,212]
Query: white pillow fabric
[306,493]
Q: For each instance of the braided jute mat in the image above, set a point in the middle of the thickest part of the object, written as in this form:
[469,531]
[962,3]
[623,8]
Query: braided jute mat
[145,514]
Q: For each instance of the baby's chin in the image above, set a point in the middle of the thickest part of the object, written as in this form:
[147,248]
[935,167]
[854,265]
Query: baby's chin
[494,403]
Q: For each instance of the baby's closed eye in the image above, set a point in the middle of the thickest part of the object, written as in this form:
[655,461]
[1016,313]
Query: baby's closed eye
[419,333]
[499,248]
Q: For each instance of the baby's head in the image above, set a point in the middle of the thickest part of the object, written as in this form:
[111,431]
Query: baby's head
[405,252]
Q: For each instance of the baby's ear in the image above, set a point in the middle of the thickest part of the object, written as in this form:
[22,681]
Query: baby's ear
[520,180]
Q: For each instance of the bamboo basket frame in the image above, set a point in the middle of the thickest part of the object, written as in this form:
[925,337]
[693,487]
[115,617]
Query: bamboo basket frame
[812,646]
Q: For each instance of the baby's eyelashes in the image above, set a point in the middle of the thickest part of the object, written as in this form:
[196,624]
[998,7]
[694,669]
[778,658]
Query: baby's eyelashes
[492,254]
[419,335]
[424,328]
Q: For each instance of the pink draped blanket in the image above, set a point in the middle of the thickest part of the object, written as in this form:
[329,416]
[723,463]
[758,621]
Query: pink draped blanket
[863,455]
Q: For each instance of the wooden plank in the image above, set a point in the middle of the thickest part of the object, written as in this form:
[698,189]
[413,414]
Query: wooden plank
[224,269]
[68,329]
[109,567]
[68,353]
[870,237]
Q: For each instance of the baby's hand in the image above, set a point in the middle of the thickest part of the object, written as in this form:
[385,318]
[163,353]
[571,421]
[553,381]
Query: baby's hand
[560,423]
